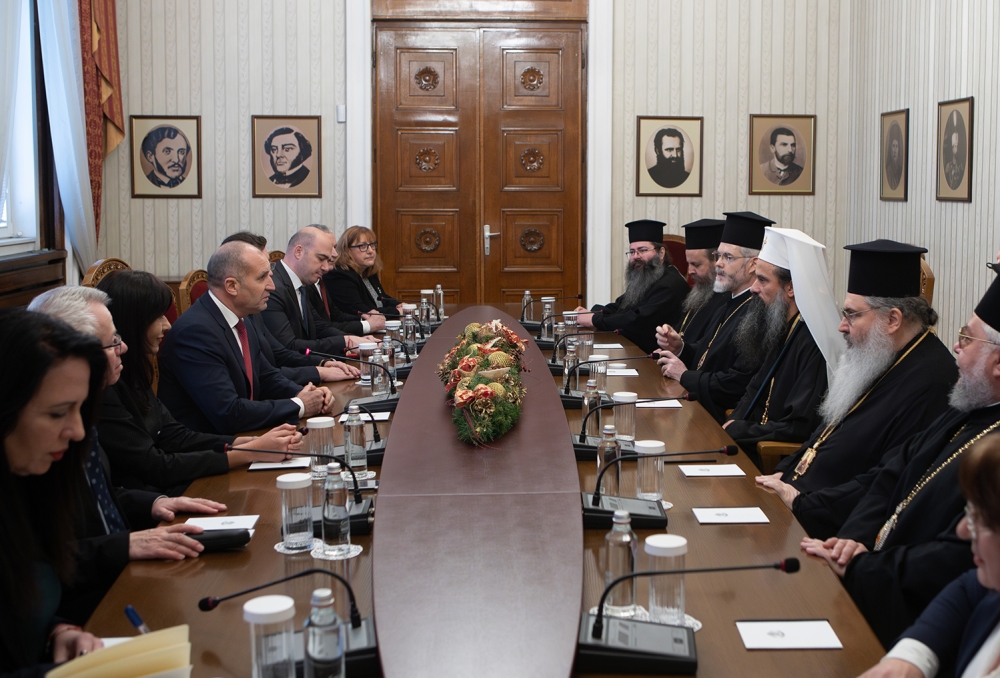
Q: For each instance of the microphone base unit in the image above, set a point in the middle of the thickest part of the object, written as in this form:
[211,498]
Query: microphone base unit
[362,518]
[376,451]
[557,369]
[361,650]
[646,515]
[587,451]
[629,646]
[377,403]
[544,344]
[574,400]
[403,370]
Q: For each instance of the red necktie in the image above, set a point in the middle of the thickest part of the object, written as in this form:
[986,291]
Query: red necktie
[241,331]
[326,303]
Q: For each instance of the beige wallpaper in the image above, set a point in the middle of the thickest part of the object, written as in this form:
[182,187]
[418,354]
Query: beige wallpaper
[724,60]
[913,55]
[225,61]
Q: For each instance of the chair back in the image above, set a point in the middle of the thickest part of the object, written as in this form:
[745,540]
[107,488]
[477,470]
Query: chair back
[194,285]
[926,281]
[101,268]
[276,256]
[677,249]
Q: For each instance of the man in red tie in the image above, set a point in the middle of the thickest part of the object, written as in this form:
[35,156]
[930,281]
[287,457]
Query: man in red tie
[213,376]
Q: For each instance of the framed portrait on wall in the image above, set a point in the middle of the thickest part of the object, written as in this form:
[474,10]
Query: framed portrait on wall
[895,155]
[782,154]
[954,150]
[668,156]
[287,156]
[166,156]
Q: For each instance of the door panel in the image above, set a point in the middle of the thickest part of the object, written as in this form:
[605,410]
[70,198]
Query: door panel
[478,126]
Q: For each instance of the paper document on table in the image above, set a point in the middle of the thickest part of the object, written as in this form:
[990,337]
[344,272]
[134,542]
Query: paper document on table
[161,653]
[631,372]
[294,462]
[379,416]
[225,522]
[660,404]
[607,347]
[697,471]
[807,634]
[730,514]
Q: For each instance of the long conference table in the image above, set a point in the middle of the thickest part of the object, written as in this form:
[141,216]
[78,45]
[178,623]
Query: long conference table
[478,564]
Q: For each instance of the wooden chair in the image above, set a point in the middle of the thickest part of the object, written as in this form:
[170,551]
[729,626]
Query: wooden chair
[192,287]
[926,281]
[772,452]
[276,256]
[676,246]
[101,268]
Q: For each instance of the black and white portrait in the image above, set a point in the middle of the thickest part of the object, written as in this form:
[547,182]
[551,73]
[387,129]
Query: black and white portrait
[167,150]
[669,170]
[895,152]
[894,155]
[166,160]
[954,150]
[286,156]
[668,156]
[782,152]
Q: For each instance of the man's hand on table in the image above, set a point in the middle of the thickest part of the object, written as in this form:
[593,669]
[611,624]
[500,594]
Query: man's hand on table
[166,508]
[785,492]
[353,341]
[332,370]
[838,553]
[891,667]
[165,543]
[317,400]
[671,366]
[376,321]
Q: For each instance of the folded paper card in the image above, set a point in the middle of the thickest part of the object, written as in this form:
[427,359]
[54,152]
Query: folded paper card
[607,347]
[379,416]
[660,404]
[697,471]
[623,372]
[294,462]
[224,522]
[806,634]
[730,515]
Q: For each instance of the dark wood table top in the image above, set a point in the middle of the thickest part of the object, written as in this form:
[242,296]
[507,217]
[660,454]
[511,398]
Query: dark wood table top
[490,577]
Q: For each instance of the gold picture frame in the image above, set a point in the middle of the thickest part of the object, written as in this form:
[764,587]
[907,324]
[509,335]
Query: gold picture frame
[954,151]
[769,135]
[894,177]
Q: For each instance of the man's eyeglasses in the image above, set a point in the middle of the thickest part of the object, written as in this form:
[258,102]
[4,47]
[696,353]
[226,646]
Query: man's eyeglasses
[365,246]
[726,257]
[116,343]
[639,250]
[850,316]
[964,338]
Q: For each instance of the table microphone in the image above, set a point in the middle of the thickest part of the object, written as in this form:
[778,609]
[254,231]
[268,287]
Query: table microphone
[631,646]
[583,424]
[573,369]
[373,403]
[598,510]
[541,323]
[536,301]
[361,646]
[402,344]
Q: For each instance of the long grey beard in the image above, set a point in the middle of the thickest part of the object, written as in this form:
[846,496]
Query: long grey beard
[639,280]
[972,390]
[696,299]
[761,329]
[857,370]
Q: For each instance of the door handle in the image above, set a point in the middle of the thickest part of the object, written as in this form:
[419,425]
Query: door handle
[486,238]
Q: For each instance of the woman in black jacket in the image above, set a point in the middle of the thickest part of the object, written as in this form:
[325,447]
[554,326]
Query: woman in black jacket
[353,284]
[148,449]
[51,387]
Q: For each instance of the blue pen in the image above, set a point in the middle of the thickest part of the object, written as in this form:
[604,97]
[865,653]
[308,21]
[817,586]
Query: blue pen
[136,620]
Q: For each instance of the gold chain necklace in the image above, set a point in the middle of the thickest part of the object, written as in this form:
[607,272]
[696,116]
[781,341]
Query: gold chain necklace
[717,329]
[890,524]
[767,403]
[807,459]
[684,323]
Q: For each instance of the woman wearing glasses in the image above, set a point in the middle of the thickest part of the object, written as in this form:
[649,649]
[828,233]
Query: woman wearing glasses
[52,387]
[353,283]
[959,632]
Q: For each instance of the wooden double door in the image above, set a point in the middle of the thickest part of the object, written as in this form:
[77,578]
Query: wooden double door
[479,158]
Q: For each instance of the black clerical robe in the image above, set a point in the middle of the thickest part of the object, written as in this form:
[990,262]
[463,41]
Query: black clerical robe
[694,325]
[661,304]
[723,376]
[909,396]
[789,392]
[922,554]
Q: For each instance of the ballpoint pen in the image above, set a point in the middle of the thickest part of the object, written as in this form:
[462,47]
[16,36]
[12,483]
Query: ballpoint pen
[136,620]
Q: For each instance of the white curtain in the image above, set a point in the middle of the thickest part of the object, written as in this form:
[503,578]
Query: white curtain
[59,24]
[10,32]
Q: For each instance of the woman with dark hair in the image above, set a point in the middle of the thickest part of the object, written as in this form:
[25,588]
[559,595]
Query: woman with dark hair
[148,449]
[353,283]
[51,385]
[959,632]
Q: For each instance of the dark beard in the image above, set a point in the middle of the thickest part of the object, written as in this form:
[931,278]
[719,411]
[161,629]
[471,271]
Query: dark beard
[696,299]
[761,330]
[786,159]
[638,280]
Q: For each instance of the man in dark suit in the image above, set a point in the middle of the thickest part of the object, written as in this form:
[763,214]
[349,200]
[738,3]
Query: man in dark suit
[213,375]
[289,315]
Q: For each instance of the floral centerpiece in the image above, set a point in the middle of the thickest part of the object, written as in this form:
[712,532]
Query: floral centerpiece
[482,377]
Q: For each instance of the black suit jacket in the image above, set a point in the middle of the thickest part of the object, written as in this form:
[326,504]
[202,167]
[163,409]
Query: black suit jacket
[347,291]
[151,450]
[345,322]
[203,381]
[284,320]
[294,366]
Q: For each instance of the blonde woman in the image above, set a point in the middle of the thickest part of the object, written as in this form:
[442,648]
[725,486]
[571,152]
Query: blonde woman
[353,284]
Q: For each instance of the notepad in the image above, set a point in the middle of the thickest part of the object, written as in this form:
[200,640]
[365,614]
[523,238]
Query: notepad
[294,462]
[730,515]
[661,404]
[164,653]
[630,372]
[607,347]
[806,634]
[224,522]
[379,416]
[697,470]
